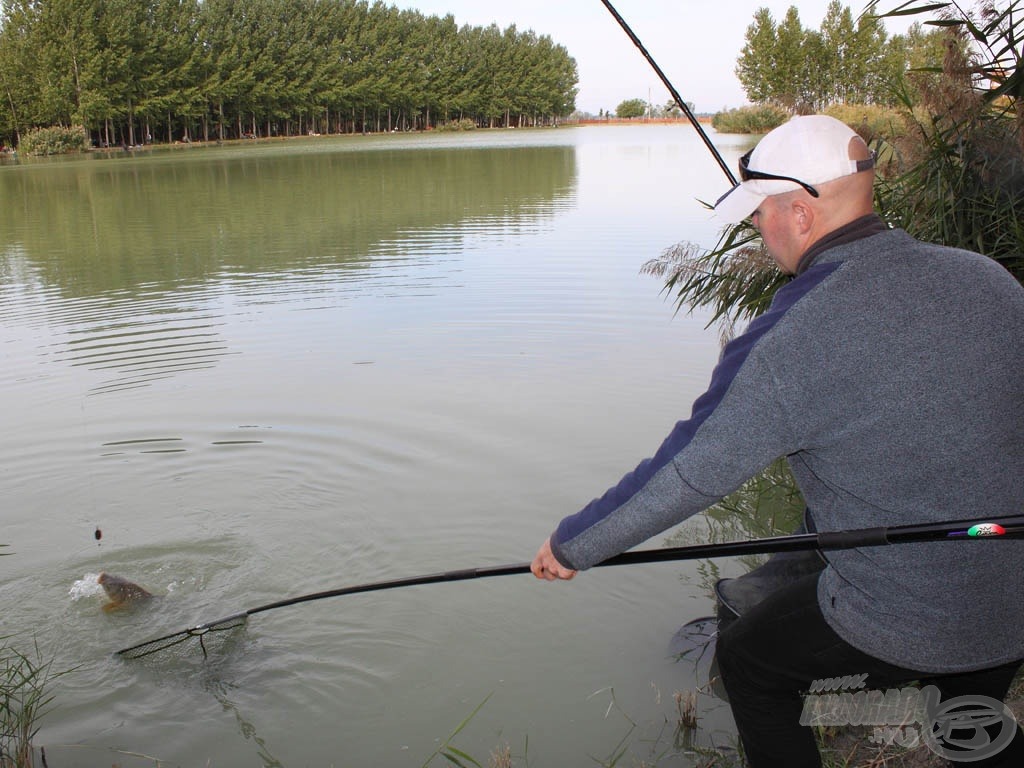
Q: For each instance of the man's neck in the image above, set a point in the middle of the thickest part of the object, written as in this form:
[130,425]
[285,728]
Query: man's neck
[859,228]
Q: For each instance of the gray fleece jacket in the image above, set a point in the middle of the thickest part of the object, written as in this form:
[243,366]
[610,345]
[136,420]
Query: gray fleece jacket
[890,373]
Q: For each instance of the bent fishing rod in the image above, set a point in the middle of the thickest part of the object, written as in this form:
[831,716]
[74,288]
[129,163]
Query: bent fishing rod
[960,531]
[671,89]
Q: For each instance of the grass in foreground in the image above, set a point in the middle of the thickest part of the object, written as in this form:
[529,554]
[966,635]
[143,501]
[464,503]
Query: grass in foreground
[24,698]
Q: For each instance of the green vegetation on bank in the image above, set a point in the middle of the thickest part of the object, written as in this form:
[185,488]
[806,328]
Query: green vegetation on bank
[54,140]
[757,118]
[870,120]
[179,70]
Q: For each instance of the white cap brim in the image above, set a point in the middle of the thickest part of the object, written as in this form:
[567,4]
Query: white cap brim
[742,200]
[738,203]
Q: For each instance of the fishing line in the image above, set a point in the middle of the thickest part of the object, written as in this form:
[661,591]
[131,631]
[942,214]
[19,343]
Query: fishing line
[675,94]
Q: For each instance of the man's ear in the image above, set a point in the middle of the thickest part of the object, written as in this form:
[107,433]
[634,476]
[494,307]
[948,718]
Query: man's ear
[803,215]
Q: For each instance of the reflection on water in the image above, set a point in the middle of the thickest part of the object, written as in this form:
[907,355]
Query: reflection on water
[271,370]
[164,222]
[139,256]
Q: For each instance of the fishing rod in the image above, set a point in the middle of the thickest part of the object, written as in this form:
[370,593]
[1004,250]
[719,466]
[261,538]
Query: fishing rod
[671,89]
[960,530]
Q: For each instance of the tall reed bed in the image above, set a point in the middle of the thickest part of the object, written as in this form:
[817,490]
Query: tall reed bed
[24,698]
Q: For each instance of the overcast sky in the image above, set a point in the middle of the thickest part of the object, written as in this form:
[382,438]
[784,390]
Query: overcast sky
[695,42]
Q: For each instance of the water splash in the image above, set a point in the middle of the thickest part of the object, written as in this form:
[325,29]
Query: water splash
[87,586]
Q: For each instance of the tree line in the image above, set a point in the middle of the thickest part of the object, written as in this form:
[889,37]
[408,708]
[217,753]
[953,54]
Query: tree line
[179,70]
[631,108]
[845,61]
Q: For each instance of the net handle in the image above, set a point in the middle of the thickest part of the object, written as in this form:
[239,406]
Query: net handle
[961,530]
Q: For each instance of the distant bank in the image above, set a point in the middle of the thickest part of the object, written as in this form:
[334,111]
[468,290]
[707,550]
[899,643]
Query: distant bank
[635,120]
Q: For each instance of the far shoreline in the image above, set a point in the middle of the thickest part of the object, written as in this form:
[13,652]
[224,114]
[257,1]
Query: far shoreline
[636,120]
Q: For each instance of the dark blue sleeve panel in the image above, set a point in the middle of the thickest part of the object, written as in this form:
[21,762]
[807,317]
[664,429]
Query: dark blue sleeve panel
[644,488]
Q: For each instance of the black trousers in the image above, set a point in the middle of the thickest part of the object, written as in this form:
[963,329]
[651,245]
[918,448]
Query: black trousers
[770,657]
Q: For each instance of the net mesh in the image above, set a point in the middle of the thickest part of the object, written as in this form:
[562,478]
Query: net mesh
[200,633]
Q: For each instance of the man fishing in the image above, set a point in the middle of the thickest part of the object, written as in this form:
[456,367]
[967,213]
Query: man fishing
[888,372]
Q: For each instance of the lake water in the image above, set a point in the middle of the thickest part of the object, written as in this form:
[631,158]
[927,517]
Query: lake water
[267,370]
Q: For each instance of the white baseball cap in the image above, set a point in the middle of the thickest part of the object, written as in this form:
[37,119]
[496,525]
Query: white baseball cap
[806,150]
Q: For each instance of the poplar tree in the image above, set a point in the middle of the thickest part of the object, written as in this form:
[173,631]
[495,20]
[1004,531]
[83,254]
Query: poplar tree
[17,76]
[790,62]
[755,67]
[837,38]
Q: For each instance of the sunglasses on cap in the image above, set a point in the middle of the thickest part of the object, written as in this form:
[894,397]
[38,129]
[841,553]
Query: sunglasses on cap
[746,174]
